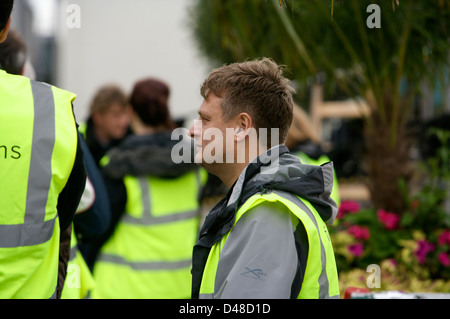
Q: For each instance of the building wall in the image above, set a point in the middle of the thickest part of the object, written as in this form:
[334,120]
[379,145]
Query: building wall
[120,41]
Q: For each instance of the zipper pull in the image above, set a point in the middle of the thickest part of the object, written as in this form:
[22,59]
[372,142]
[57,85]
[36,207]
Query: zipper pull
[263,190]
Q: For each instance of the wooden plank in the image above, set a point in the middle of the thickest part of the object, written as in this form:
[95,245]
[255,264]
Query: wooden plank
[354,191]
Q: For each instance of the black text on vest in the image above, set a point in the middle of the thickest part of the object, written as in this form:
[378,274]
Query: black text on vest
[12,152]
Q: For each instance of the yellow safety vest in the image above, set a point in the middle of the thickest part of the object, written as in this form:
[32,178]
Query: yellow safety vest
[38,141]
[149,256]
[79,280]
[320,278]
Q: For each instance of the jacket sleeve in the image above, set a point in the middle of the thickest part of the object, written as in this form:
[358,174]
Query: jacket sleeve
[259,259]
[71,194]
[94,221]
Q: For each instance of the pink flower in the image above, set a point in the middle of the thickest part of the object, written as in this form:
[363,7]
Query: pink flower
[348,207]
[359,232]
[393,262]
[356,249]
[444,238]
[424,247]
[389,220]
[444,259]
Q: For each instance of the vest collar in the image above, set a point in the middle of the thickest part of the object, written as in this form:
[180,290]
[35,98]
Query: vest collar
[221,218]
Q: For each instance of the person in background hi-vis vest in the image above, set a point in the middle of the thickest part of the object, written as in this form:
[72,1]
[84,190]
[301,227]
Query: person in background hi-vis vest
[42,178]
[155,206]
[304,143]
[268,237]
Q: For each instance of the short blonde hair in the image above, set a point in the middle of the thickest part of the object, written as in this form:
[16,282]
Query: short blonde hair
[256,87]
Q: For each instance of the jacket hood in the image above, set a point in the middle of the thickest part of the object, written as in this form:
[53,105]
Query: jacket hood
[279,170]
[146,155]
[275,170]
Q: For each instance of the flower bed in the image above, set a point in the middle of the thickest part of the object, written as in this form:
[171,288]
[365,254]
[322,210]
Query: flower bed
[409,251]
[409,258]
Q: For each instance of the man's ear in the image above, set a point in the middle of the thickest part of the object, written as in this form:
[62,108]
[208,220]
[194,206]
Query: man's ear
[244,122]
[4,32]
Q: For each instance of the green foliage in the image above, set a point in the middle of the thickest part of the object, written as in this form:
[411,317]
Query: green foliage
[426,207]
[331,40]
[413,40]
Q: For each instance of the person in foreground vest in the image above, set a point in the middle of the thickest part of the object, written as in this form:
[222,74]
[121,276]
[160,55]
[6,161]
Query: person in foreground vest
[268,237]
[42,178]
[155,207]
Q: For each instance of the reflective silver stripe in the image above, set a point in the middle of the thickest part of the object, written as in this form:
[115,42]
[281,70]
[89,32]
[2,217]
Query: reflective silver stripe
[146,265]
[73,253]
[35,230]
[40,174]
[324,285]
[24,235]
[147,219]
[150,220]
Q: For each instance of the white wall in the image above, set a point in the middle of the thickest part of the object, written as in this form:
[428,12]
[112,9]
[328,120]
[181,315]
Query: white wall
[122,41]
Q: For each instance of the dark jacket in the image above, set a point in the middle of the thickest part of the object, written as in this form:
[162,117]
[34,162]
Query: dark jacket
[92,223]
[68,202]
[311,149]
[277,170]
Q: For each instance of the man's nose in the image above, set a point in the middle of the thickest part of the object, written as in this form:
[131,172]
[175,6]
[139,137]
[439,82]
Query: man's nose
[196,129]
[191,131]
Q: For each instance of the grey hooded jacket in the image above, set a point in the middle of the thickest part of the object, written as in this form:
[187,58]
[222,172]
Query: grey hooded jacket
[266,252]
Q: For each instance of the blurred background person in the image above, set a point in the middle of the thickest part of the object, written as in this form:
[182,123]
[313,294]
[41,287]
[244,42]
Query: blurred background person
[79,280]
[91,220]
[108,123]
[13,53]
[304,143]
[94,218]
[155,207]
[14,56]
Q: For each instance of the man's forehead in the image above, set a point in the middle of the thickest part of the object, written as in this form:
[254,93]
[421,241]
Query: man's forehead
[211,105]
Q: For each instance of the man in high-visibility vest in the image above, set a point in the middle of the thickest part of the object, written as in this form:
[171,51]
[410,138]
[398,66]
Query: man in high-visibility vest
[268,237]
[42,178]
